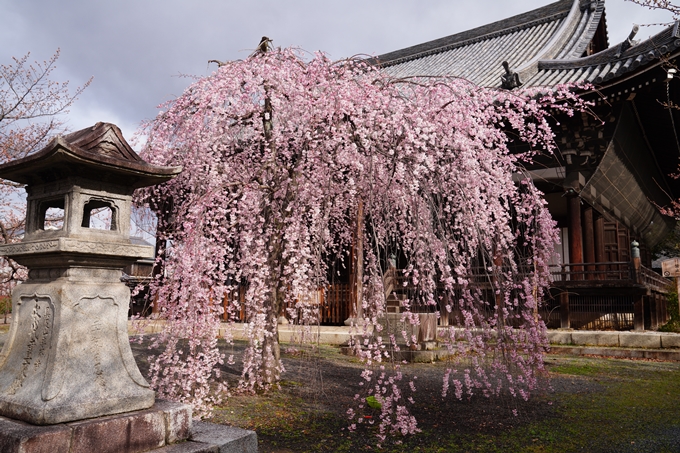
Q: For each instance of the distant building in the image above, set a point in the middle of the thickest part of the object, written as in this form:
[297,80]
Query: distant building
[610,171]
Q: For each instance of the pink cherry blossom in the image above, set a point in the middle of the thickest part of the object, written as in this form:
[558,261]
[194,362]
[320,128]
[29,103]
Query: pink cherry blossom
[278,153]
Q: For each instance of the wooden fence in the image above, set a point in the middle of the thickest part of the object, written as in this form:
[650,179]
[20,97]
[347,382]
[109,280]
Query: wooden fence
[333,305]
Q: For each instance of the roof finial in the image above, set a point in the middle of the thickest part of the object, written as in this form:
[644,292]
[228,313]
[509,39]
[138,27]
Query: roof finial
[510,79]
[629,42]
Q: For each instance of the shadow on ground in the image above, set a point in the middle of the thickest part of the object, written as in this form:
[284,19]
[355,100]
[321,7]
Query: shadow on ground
[586,404]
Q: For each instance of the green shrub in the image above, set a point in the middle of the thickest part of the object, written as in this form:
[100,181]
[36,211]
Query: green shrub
[5,305]
[673,324]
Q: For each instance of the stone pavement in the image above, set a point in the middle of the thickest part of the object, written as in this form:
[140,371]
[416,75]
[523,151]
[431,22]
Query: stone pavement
[633,344]
[644,344]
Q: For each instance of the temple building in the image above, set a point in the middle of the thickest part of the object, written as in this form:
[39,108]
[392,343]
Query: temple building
[613,165]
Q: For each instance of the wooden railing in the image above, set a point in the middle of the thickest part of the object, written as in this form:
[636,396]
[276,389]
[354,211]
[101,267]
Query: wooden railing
[618,272]
[612,271]
[334,303]
[652,280]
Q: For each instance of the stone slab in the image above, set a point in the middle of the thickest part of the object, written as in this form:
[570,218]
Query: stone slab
[126,433]
[656,354]
[189,447]
[227,438]
[70,245]
[588,338]
[20,437]
[559,337]
[133,432]
[177,419]
[670,340]
[639,340]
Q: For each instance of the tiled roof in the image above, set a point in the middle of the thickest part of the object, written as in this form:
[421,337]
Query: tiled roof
[608,64]
[561,30]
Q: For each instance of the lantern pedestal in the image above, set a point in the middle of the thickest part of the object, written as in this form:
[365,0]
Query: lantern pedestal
[68,355]
[165,427]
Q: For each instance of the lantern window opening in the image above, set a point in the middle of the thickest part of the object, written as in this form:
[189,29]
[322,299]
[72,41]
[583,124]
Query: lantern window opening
[99,215]
[51,214]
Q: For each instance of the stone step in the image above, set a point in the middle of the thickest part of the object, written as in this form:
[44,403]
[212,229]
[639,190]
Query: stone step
[618,352]
[166,428]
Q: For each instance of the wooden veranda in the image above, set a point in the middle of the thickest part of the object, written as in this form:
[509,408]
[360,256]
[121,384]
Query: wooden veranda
[617,295]
[614,295]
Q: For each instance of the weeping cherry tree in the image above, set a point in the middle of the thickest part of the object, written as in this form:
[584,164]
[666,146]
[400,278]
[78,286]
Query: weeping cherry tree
[279,154]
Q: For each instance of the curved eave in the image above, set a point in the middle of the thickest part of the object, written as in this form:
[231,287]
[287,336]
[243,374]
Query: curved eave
[60,160]
[562,29]
[552,12]
[571,39]
[610,66]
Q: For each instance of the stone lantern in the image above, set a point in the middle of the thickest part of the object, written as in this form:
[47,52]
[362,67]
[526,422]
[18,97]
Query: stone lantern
[67,356]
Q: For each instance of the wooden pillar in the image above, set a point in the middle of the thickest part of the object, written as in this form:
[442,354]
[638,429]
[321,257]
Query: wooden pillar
[647,309]
[598,225]
[650,315]
[589,241]
[565,321]
[575,236]
[639,312]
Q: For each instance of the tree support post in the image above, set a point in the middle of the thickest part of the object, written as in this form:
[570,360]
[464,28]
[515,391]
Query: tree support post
[357,277]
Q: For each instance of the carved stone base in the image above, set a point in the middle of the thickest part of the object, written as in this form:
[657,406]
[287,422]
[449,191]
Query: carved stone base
[67,355]
[165,428]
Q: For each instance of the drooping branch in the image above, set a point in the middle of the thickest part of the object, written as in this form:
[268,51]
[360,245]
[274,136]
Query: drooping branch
[428,163]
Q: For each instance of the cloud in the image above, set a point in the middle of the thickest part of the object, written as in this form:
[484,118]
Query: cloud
[136,49]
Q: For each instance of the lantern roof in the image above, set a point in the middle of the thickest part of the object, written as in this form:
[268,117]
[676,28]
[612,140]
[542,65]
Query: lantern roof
[98,152]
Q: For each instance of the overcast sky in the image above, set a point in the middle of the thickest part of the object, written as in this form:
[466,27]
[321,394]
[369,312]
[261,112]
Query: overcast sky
[136,49]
